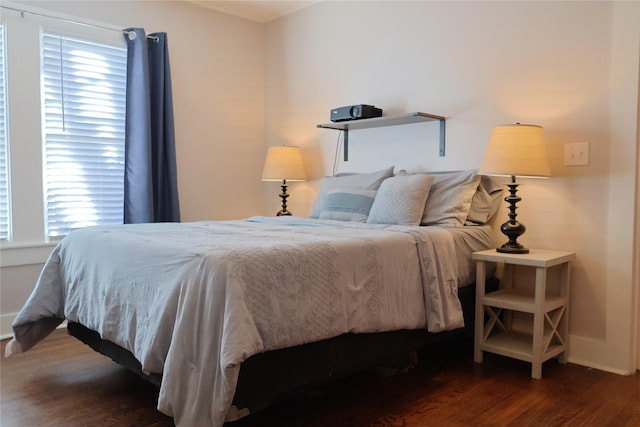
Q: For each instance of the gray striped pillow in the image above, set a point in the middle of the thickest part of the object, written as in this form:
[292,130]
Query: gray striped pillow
[348,204]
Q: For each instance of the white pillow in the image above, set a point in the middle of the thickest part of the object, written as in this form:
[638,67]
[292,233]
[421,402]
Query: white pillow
[401,200]
[348,205]
[486,201]
[450,198]
[364,181]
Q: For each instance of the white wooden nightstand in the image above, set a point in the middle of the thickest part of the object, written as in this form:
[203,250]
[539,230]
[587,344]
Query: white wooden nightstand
[533,341]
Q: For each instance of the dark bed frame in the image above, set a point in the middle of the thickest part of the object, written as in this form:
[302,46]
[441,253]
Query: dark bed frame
[273,376]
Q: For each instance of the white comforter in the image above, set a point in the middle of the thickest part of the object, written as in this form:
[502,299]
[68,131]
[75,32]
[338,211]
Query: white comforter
[194,300]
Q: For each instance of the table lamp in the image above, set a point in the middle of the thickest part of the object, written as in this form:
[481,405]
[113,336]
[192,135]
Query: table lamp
[515,150]
[284,163]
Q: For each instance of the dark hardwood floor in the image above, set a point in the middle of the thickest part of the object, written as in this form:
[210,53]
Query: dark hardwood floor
[62,382]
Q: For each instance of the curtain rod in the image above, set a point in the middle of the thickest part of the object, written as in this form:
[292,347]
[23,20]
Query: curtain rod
[130,34]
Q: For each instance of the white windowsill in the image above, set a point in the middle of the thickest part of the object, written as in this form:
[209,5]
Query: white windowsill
[16,254]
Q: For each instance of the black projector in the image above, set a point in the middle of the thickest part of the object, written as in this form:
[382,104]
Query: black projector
[355,112]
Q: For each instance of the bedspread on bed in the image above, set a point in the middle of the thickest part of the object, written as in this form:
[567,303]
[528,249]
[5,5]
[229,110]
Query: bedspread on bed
[194,300]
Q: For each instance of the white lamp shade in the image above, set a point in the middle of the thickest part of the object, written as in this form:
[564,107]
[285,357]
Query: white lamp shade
[516,150]
[284,163]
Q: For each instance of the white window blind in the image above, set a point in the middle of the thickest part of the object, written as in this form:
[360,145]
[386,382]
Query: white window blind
[84,90]
[4,175]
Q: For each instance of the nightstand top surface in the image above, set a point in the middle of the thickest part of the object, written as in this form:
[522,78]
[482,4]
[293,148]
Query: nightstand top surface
[535,257]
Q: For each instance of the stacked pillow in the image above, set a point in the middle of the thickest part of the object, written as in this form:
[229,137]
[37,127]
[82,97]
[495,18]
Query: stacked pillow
[364,181]
[400,200]
[450,201]
[447,199]
[347,204]
[486,201]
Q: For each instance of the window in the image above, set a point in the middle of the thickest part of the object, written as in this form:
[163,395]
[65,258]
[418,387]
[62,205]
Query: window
[4,175]
[84,87]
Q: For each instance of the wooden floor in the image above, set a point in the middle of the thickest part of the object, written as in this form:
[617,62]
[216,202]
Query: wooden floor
[61,382]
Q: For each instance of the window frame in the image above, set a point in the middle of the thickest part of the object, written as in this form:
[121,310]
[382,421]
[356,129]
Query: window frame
[50,138]
[5,235]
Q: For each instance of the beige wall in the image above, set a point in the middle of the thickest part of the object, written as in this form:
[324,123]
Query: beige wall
[571,67]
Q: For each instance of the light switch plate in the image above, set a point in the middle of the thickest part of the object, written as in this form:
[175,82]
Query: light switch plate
[576,154]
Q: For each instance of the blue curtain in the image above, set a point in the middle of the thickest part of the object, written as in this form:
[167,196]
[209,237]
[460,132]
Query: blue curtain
[150,177]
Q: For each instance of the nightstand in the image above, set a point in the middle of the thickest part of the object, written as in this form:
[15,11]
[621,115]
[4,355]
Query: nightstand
[524,319]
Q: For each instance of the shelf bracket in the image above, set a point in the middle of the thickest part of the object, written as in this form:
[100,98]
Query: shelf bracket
[442,136]
[345,145]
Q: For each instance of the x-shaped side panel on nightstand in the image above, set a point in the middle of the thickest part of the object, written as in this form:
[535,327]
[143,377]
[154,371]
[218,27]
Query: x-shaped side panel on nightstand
[494,320]
[553,319]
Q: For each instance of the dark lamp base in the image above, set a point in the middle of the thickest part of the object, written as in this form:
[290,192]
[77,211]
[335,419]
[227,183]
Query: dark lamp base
[508,249]
[512,228]
[284,196]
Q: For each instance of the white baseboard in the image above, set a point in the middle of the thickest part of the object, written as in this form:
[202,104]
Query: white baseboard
[5,325]
[592,353]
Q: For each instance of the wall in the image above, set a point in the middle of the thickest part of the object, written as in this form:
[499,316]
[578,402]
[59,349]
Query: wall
[217,65]
[571,67]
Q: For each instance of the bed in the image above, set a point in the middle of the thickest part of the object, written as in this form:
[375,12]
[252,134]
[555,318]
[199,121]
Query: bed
[227,317]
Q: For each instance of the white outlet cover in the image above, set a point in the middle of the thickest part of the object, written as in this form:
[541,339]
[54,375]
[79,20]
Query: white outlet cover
[576,154]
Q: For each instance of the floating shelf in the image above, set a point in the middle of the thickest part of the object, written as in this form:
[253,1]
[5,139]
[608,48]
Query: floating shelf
[375,122]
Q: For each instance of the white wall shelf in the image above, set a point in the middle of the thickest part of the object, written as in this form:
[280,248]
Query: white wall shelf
[375,122]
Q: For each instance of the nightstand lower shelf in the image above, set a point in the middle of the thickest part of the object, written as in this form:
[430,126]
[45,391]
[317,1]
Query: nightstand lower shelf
[518,345]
